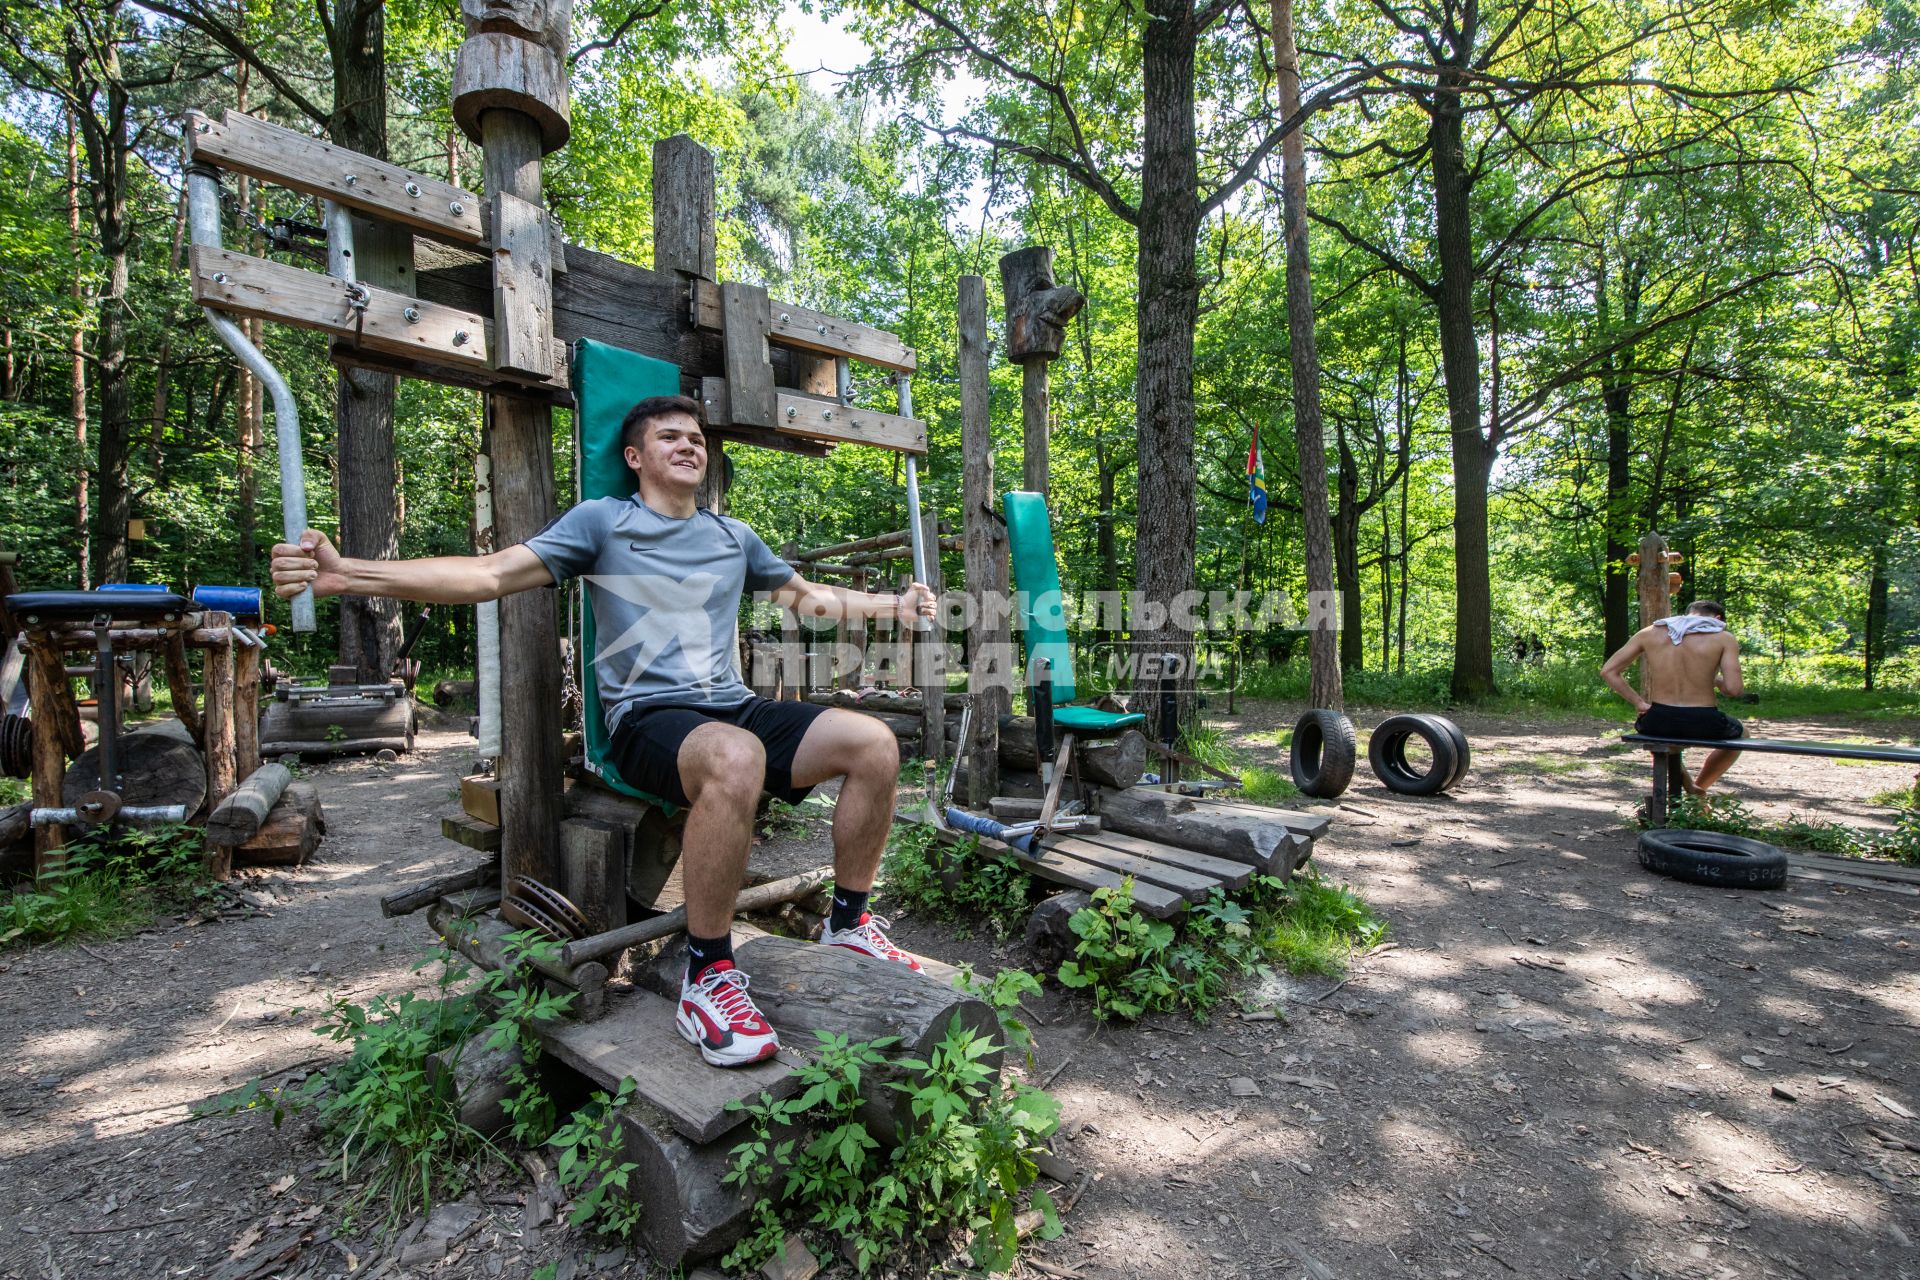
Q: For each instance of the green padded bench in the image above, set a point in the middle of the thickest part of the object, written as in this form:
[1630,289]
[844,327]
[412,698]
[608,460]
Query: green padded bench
[608,381]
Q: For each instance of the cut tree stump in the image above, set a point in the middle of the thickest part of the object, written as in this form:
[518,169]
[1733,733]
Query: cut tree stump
[689,1213]
[291,832]
[1120,761]
[156,768]
[804,988]
[479,1079]
[1048,936]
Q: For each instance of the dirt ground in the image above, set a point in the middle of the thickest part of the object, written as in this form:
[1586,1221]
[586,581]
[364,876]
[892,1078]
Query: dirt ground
[1557,1065]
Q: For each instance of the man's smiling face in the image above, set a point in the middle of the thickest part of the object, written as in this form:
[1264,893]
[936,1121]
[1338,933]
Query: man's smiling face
[673,454]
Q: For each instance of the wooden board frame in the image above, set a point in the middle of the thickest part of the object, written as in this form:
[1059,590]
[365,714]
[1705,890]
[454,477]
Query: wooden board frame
[313,167]
[815,419]
[239,284]
[811,330]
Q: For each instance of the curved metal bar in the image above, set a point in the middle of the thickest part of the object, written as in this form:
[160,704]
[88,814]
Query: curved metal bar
[203,208]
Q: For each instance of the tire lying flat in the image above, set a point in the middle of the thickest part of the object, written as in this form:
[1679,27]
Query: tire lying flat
[1713,858]
[1387,753]
[1323,755]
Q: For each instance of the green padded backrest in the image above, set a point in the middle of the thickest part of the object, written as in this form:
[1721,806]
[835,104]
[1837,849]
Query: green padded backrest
[608,381]
[1036,575]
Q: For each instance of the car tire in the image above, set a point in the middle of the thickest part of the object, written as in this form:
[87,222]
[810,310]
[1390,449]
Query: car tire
[1464,761]
[1713,858]
[1387,753]
[1323,754]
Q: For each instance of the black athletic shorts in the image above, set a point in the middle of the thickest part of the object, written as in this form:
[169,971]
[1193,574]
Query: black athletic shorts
[1708,723]
[645,747]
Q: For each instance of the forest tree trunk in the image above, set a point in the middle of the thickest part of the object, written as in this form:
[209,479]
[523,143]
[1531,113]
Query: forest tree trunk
[1168,310]
[369,628]
[77,347]
[1460,364]
[1616,398]
[1303,353]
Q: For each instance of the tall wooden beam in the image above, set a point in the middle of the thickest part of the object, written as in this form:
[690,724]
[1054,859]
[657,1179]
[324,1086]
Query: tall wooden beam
[989,679]
[510,96]
[1037,313]
[683,207]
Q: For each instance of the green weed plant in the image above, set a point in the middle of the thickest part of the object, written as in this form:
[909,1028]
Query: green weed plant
[115,882]
[1728,815]
[1133,966]
[959,884]
[962,1166]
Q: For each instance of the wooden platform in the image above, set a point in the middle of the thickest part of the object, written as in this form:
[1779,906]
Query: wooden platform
[1177,849]
[637,1040]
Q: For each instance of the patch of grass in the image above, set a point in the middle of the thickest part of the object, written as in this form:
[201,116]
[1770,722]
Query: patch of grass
[15,791]
[1899,797]
[1546,762]
[115,882]
[1319,927]
[1730,816]
[1258,783]
[781,821]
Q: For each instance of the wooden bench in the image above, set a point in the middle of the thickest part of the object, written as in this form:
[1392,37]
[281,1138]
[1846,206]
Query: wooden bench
[1668,771]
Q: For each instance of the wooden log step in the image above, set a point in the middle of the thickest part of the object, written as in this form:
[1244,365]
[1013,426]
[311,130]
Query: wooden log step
[637,1040]
[1191,885]
[804,988]
[239,817]
[1233,875]
[1312,825]
[472,833]
[156,768]
[291,832]
[690,1212]
[1871,868]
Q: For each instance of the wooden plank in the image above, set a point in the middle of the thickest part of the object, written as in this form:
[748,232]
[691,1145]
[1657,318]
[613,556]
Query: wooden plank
[298,162]
[750,400]
[1231,874]
[1191,885]
[248,286]
[683,217]
[1311,825]
[638,1041]
[808,418]
[475,835]
[1858,867]
[522,289]
[1858,882]
[810,330]
[593,856]
[480,798]
[291,832]
[1062,867]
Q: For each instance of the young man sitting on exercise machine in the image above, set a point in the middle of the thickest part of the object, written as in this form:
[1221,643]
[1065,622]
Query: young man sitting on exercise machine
[666,578]
[1684,661]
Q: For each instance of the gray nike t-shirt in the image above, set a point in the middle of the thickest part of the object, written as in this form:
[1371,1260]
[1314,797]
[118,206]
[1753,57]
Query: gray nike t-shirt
[666,599]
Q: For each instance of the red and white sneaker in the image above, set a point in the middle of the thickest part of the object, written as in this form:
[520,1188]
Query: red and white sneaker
[869,938]
[718,1016]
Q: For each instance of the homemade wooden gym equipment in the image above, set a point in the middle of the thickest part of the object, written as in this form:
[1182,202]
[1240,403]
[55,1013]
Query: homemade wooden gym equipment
[431,281]
[205,761]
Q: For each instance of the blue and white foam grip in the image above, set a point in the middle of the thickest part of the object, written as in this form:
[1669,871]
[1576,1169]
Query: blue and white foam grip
[1018,837]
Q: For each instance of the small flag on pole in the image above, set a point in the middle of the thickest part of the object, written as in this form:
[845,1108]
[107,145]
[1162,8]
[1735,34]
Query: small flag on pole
[1257,482]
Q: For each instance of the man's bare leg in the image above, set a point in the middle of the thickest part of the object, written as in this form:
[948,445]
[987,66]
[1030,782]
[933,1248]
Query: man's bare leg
[866,752]
[721,768]
[1718,761]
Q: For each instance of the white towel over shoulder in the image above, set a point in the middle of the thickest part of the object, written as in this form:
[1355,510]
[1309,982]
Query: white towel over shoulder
[1682,625]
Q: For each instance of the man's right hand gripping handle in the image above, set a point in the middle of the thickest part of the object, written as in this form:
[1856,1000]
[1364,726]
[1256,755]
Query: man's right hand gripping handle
[314,562]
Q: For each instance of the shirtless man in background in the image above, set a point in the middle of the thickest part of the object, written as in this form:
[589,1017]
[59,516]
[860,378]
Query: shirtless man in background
[1684,660]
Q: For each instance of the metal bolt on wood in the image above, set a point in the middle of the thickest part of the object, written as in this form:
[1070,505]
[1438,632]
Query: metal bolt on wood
[456,208]
[460,337]
[352,178]
[412,314]
[413,188]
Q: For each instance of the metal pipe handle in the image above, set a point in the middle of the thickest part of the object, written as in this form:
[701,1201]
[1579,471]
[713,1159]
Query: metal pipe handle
[916,536]
[203,207]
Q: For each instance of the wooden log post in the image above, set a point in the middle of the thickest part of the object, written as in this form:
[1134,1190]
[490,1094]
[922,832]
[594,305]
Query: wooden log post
[1656,595]
[246,710]
[683,247]
[930,672]
[180,684]
[45,674]
[1037,314]
[1119,761]
[595,858]
[479,1078]
[510,96]
[216,674]
[990,651]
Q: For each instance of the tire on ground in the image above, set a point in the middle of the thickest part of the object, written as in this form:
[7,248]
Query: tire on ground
[1460,745]
[1387,753]
[1713,858]
[1323,754]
